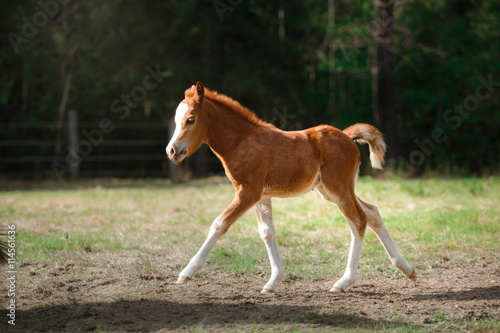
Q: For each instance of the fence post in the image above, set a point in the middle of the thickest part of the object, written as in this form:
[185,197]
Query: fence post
[73,142]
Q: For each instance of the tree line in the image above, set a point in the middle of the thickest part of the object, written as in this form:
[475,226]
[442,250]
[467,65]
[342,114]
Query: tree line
[427,73]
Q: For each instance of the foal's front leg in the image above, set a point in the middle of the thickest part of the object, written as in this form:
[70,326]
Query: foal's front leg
[263,210]
[243,200]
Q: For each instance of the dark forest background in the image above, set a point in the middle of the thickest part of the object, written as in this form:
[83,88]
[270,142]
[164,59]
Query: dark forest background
[427,73]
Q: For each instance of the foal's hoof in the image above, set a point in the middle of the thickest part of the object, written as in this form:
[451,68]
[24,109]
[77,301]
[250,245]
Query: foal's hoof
[336,290]
[267,291]
[182,279]
[413,276]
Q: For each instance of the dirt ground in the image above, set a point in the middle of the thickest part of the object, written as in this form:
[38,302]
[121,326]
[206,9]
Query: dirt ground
[447,297]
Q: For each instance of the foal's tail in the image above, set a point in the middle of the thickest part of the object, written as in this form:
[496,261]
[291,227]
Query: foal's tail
[368,134]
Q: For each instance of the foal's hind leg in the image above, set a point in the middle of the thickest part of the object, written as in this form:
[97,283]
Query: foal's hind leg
[263,210]
[357,222]
[377,225]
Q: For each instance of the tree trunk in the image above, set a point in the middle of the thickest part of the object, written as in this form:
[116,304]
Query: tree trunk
[67,75]
[281,22]
[374,71]
[62,108]
[73,142]
[331,57]
[386,83]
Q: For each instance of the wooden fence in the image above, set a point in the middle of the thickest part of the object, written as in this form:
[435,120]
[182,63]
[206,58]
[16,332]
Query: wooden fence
[27,150]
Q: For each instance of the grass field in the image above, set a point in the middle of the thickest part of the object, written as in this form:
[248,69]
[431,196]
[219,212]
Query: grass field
[103,255]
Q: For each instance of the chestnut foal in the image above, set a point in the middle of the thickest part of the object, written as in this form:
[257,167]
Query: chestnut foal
[263,161]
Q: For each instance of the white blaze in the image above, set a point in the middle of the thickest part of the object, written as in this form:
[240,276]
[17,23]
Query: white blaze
[179,115]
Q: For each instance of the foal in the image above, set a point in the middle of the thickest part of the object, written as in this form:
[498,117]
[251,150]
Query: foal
[263,161]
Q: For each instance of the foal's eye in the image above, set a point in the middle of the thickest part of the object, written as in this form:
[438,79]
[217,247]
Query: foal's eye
[190,120]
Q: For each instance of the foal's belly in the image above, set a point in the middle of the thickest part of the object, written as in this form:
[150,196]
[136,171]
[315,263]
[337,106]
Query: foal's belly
[292,187]
[294,166]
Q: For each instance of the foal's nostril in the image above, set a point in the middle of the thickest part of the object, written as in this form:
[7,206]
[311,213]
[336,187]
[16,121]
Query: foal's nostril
[172,151]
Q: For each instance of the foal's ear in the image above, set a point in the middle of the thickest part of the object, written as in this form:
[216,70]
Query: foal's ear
[200,91]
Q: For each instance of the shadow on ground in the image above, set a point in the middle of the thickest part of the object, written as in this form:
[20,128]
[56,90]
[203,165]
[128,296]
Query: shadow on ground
[478,293]
[151,315]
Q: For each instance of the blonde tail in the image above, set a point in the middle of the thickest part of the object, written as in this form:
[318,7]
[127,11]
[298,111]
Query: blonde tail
[365,133]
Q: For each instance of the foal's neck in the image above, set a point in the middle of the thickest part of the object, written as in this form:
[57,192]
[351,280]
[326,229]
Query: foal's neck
[227,128]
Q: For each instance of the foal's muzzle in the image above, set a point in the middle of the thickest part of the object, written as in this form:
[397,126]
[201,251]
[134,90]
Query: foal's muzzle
[176,154]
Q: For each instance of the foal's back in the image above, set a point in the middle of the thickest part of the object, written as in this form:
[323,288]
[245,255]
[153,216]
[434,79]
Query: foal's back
[296,160]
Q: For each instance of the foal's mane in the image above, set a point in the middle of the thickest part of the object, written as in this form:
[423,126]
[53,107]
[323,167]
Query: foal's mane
[230,104]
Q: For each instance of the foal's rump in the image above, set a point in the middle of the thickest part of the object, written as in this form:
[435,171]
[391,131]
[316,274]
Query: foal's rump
[300,159]
[338,144]
[339,157]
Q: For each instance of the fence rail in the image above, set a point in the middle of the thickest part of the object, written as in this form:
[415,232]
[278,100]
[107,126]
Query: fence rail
[126,143]
[98,158]
[28,154]
[83,124]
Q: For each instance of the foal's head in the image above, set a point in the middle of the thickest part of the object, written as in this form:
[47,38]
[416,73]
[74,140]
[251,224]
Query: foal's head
[189,130]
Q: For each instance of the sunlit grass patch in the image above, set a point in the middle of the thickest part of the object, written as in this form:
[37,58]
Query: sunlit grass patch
[424,217]
[41,247]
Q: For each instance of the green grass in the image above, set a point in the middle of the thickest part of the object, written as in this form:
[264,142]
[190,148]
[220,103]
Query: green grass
[423,216]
